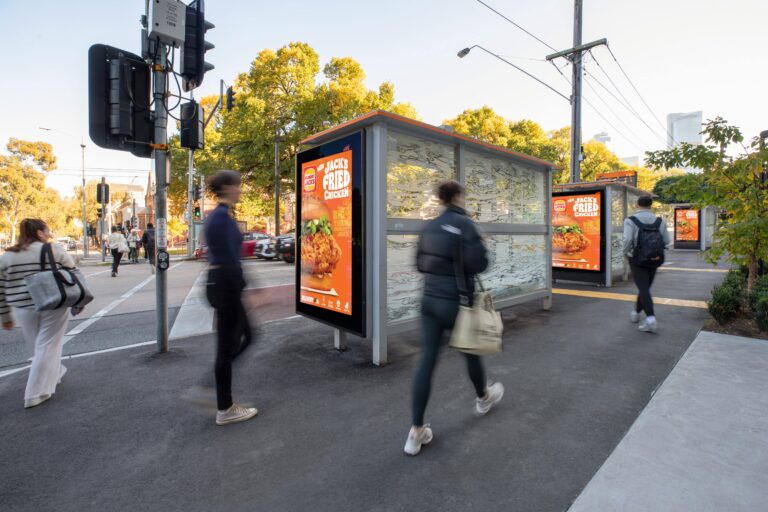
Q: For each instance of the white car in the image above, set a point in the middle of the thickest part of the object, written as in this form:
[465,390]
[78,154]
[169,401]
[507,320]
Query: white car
[265,249]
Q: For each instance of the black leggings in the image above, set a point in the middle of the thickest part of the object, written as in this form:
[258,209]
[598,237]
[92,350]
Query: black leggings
[116,256]
[437,316]
[233,330]
[643,277]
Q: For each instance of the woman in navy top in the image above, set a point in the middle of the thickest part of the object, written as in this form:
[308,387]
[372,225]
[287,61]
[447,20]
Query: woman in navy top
[224,290]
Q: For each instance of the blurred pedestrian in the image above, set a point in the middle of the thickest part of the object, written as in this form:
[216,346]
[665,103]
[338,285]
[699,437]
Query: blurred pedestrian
[645,239]
[43,331]
[117,245]
[439,245]
[224,291]
[148,241]
[133,252]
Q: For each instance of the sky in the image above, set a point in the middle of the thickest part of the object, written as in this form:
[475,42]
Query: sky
[682,55]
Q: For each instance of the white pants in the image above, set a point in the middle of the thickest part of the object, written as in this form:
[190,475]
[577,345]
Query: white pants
[44,333]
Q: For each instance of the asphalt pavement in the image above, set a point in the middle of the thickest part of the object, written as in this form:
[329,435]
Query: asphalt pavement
[132,430]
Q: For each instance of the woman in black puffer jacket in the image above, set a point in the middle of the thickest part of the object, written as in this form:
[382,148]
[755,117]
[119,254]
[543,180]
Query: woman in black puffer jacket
[436,259]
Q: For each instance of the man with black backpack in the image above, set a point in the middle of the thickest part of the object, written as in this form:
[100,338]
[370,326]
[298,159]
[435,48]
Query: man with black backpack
[645,239]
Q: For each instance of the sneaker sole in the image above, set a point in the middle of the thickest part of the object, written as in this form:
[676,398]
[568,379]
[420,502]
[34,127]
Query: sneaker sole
[239,419]
[478,412]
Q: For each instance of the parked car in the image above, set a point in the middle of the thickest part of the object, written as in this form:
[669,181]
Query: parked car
[69,243]
[265,249]
[285,246]
[249,243]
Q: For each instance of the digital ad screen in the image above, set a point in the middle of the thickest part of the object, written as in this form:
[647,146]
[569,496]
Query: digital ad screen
[576,231]
[686,225]
[330,266]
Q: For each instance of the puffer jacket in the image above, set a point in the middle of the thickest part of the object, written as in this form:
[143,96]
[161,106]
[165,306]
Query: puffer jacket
[435,256]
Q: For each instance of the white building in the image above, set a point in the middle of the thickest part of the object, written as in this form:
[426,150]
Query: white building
[632,161]
[603,137]
[685,127]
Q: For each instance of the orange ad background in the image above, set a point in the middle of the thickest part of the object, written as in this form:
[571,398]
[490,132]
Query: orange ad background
[588,259]
[692,216]
[340,218]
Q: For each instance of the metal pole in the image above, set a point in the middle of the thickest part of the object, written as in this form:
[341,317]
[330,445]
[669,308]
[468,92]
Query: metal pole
[190,195]
[102,221]
[202,198]
[576,96]
[277,182]
[85,215]
[159,79]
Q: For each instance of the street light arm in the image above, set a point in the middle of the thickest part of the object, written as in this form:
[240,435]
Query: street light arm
[465,51]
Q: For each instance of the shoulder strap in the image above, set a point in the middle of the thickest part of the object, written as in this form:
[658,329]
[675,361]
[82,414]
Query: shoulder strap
[637,222]
[657,223]
[46,252]
[458,269]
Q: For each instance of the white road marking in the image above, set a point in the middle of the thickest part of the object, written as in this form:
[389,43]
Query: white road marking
[109,307]
[195,315]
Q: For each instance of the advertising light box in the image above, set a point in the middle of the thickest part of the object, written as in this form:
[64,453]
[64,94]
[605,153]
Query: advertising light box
[330,274]
[687,228]
[577,220]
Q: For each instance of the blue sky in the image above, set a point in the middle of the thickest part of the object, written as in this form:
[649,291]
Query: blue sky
[682,55]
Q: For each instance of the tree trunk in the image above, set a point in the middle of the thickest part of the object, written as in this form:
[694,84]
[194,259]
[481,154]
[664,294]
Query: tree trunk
[752,276]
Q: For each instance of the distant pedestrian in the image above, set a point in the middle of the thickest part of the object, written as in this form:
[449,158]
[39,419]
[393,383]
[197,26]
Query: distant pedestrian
[224,291]
[148,241]
[645,239]
[117,245]
[133,251]
[439,244]
[43,331]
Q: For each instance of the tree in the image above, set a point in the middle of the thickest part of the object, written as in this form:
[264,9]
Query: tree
[731,182]
[483,124]
[22,182]
[669,189]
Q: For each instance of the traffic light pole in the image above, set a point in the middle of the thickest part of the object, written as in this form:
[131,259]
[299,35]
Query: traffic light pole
[85,213]
[161,155]
[190,200]
[277,182]
[103,220]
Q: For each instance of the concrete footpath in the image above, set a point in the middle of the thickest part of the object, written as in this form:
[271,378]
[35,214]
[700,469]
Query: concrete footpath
[130,430]
[701,443]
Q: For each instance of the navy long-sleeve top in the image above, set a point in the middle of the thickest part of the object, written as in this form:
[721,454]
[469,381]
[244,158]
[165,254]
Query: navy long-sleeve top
[223,238]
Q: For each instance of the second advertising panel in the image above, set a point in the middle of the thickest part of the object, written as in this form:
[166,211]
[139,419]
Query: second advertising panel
[686,225]
[576,231]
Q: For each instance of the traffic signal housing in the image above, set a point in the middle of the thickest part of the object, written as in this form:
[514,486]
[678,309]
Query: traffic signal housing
[193,65]
[118,100]
[196,193]
[99,212]
[230,99]
[191,135]
[197,212]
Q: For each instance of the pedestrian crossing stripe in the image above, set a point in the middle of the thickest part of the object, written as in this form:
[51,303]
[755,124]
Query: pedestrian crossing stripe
[630,298]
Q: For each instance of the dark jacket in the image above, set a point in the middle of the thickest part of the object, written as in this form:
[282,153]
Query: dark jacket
[224,244]
[438,245]
[147,237]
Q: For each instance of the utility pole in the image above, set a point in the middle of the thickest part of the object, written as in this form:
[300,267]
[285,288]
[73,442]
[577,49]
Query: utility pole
[85,214]
[202,198]
[161,155]
[574,55]
[190,195]
[102,221]
[277,182]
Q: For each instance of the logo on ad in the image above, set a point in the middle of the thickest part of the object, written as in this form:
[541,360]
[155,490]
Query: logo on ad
[309,180]
[559,205]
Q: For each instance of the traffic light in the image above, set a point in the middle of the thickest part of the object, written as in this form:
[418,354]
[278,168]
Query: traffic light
[230,99]
[192,130]
[118,100]
[99,212]
[102,193]
[193,65]
[197,212]
[196,192]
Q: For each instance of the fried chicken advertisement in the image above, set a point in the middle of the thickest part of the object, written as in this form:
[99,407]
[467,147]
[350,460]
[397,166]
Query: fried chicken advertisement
[576,231]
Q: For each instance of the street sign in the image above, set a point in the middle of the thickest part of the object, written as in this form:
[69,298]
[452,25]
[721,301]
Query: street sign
[161,233]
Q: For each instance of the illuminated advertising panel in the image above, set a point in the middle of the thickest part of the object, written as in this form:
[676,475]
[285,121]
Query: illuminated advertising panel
[577,231]
[329,235]
[686,225]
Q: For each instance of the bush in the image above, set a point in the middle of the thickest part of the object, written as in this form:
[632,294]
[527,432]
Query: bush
[759,290]
[725,302]
[761,313]
[737,280]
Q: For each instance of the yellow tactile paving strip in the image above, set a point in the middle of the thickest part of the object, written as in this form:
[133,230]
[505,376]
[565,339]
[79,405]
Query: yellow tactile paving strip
[717,270]
[630,298]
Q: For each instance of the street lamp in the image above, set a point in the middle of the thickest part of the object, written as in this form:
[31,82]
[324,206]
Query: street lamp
[82,162]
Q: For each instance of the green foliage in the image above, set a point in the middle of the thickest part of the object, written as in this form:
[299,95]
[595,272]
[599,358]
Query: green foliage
[729,182]
[725,303]
[735,279]
[761,313]
[681,188]
[759,291]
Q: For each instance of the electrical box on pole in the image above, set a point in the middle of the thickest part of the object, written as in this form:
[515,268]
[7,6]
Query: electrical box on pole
[118,100]
[193,65]
[166,21]
[191,135]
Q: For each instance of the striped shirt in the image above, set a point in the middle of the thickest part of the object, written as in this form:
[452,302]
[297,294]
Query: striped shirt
[15,266]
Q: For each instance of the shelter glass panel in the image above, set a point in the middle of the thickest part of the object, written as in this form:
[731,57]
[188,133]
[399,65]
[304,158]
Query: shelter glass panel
[517,265]
[415,166]
[404,283]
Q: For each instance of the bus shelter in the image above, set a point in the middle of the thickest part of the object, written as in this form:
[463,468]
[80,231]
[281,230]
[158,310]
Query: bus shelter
[694,228]
[588,231]
[370,185]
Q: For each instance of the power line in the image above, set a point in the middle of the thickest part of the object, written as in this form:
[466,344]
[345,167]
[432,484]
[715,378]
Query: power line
[612,82]
[517,25]
[607,106]
[641,96]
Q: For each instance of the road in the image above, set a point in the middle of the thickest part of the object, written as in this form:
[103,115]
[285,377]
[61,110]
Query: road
[123,310]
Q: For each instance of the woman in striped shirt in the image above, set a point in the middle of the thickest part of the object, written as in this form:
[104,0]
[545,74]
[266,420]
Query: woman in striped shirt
[43,330]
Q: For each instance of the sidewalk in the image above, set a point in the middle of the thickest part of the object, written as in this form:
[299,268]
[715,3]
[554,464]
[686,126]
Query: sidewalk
[701,443]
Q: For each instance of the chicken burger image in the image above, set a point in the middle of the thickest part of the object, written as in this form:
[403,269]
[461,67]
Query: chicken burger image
[684,227]
[319,251]
[567,236]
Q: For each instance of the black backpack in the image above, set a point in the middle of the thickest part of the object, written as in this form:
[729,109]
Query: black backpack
[649,249]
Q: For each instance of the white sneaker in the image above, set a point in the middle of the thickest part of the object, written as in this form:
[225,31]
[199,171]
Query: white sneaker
[34,402]
[634,317]
[235,414]
[493,395]
[647,326]
[417,438]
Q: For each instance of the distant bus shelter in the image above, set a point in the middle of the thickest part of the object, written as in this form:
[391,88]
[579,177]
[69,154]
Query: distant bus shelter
[370,184]
[694,228]
[588,231]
